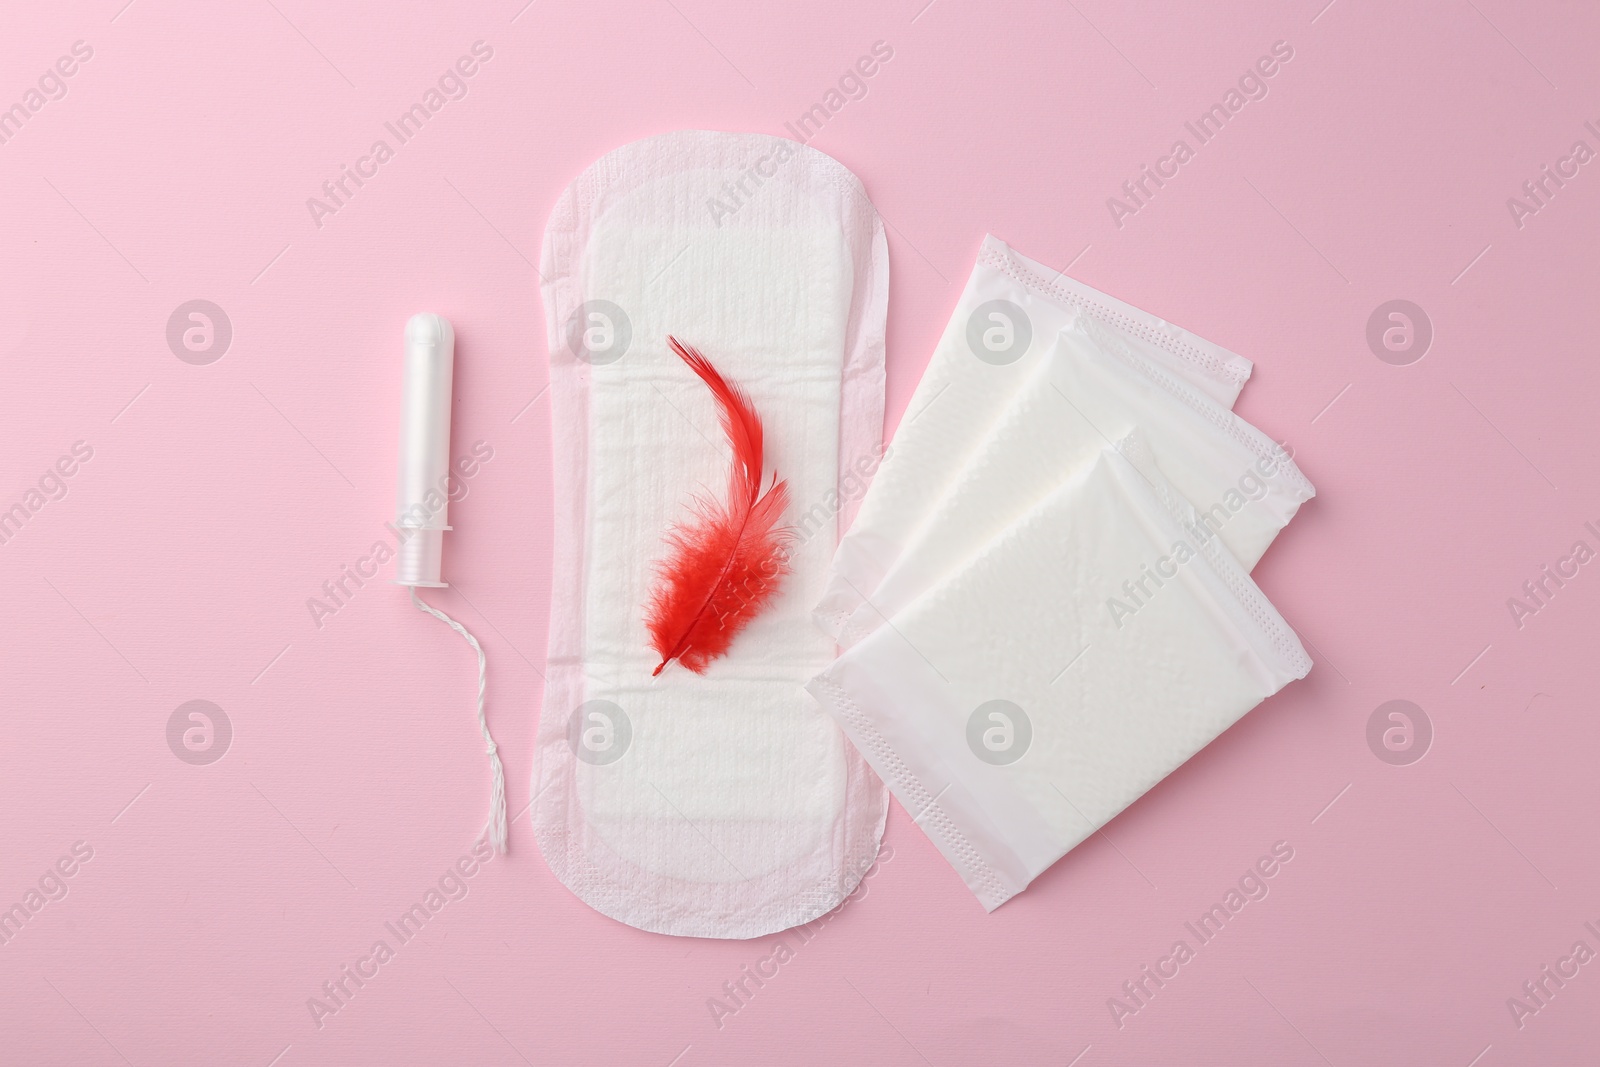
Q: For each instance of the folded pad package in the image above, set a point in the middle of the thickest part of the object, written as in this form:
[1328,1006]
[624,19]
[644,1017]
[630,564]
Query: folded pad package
[1003,326]
[1088,390]
[1072,663]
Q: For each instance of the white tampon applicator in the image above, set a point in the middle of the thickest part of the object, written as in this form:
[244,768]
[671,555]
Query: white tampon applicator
[422,505]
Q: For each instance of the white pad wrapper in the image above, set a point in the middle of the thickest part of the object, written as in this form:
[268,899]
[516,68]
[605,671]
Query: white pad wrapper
[726,804]
[1089,390]
[1004,324]
[1013,710]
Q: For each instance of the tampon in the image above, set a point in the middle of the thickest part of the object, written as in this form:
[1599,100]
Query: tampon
[422,506]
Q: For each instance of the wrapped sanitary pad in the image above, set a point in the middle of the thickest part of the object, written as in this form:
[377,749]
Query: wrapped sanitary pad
[1073,662]
[1002,328]
[1088,390]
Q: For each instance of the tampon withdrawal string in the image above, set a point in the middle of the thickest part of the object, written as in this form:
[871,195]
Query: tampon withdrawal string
[497,789]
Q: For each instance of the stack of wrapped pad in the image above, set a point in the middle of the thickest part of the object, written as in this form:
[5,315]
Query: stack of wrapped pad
[1044,603]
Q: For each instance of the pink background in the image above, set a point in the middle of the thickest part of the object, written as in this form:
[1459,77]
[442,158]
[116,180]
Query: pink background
[219,898]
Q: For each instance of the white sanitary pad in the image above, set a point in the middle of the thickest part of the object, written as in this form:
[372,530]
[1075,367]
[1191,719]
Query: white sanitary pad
[728,804]
[1002,327]
[1088,391]
[1078,659]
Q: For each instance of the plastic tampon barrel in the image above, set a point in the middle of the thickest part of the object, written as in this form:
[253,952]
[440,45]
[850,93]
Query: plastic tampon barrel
[422,503]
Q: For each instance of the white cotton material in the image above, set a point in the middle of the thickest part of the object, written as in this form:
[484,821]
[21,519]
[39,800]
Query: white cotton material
[1089,390]
[726,804]
[1106,691]
[1004,325]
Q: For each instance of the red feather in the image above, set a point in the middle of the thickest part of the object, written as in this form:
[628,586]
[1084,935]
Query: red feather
[724,565]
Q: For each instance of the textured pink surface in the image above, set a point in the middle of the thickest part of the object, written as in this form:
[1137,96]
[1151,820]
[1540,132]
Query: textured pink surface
[220,497]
